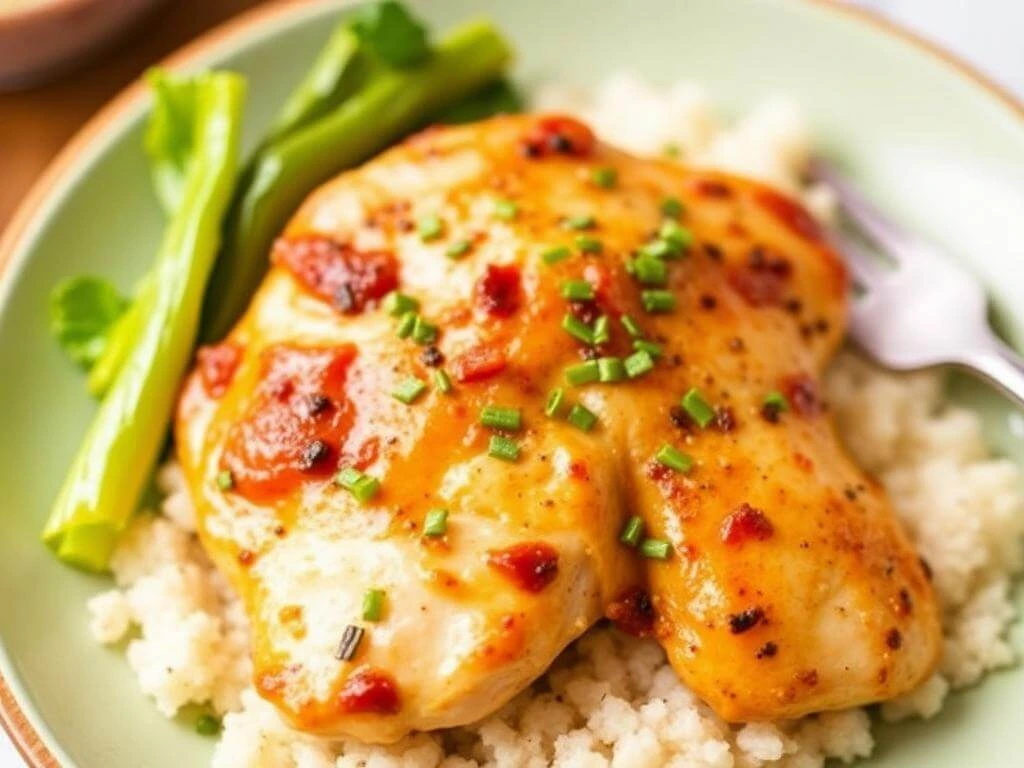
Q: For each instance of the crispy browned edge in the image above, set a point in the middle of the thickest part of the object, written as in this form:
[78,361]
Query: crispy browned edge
[28,742]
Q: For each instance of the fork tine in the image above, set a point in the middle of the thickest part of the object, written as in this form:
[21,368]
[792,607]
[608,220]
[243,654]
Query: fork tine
[885,232]
[866,270]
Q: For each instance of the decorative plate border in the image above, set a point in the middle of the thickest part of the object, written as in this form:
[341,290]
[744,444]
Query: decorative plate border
[12,717]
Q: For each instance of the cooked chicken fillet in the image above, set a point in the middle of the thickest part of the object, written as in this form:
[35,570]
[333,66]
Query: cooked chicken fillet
[323,451]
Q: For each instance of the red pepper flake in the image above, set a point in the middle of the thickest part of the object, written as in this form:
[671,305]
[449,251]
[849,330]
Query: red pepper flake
[771,412]
[745,620]
[633,612]
[801,391]
[803,462]
[712,188]
[894,639]
[432,357]
[337,272]
[713,251]
[789,212]
[217,366]
[314,455]
[558,135]
[497,292]
[680,418]
[725,419]
[745,523]
[369,691]
[317,404]
[763,281]
[578,471]
[246,557]
[905,606]
[479,363]
[531,566]
[767,651]
[657,471]
[587,311]
[808,677]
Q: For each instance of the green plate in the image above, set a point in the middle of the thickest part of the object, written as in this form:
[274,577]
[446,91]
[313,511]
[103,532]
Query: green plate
[943,151]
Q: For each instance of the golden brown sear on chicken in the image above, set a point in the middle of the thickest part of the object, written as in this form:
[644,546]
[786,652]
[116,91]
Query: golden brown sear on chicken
[503,381]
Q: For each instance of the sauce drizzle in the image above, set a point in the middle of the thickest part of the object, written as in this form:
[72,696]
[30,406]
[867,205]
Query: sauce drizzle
[531,566]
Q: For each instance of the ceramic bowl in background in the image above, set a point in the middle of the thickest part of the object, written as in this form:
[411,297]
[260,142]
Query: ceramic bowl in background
[42,38]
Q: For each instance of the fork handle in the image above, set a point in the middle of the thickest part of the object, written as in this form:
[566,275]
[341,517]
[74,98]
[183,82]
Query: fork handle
[1002,366]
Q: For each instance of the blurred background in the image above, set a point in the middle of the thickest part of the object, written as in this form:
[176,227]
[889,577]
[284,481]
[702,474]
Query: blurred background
[123,37]
[113,41]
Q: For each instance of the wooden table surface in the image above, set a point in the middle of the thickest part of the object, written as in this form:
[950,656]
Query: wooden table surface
[35,124]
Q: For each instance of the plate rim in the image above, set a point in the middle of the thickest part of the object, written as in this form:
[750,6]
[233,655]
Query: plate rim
[75,155]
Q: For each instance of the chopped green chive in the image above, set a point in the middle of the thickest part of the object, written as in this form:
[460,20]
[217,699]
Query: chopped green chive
[348,476]
[676,233]
[655,549]
[638,364]
[360,485]
[585,221]
[602,334]
[397,304]
[207,725]
[423,332]
[577,290]
[632,531]
[650,347]
[442,381]
[458,249]
[631,326]
[581,418]
[497,417]
[658,301]
[671,457]
[373,604]
[555,254]
[587,244]
[605,177]
[555,401]
[406,324]
[697,407]
[506,209]
[672,150]
[436,522]
[503,448]
[577,329]
[225,480]
[430,228]
[650,271]
[776,401]
[659,249]
[408,390]
[672,207]
[583,373]
[610,369]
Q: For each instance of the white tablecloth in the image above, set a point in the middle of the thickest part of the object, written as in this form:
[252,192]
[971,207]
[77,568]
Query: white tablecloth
[985,32]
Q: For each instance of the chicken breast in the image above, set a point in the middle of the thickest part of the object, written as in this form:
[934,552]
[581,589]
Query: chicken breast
[503,381]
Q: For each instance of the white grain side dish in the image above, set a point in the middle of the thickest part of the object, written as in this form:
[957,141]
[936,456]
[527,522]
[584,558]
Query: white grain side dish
[611,699]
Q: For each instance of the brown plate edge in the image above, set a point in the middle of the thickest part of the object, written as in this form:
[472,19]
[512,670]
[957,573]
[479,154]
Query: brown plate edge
[24,736]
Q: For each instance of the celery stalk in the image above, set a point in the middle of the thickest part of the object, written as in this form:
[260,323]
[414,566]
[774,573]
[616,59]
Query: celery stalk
[114,463]
[388,105]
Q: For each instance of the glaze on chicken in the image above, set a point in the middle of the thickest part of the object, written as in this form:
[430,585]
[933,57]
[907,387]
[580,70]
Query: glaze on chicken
[519,264]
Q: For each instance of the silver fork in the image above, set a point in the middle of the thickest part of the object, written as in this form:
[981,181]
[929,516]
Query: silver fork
[916,308]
